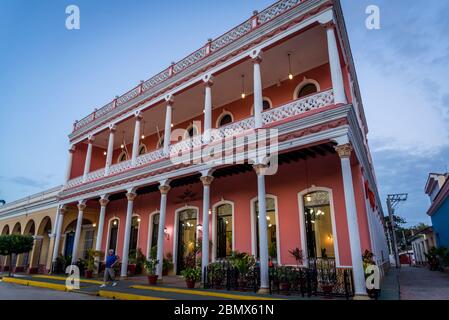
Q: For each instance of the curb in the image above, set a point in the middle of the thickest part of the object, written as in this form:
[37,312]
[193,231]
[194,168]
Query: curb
[125,296]
[25,282]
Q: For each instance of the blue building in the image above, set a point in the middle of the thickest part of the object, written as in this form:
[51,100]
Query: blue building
[437,188]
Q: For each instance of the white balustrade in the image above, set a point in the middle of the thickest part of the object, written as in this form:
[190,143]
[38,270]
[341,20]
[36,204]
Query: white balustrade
[291,109]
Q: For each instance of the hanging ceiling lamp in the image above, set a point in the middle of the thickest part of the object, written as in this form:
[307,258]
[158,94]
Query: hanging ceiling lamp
[243,87]
[143,130]
[290,74]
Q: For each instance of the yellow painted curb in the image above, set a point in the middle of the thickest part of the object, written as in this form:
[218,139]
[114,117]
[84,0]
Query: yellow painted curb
[125,296]
[64,278]
[25,282]
[203,293]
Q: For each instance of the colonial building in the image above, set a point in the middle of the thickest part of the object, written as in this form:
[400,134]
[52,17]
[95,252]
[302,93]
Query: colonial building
[422,242]
[437,188]
[137,165]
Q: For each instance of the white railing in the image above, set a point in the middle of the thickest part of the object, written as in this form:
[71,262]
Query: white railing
[291,109]
[299,106]
[211,47]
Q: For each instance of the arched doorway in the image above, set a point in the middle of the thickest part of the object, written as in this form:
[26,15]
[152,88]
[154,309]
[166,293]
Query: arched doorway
[272,227]
[223,230]
[86,241]
[16,230]
[24,259]
[3,259]
[112,239]
[185,233]
[134,237]
[317,224]
[153,234]
[41,250]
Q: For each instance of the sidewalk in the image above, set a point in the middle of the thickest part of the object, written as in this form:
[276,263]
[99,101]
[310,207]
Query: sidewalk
[138,289]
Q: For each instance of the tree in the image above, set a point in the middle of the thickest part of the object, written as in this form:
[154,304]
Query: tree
[15,244]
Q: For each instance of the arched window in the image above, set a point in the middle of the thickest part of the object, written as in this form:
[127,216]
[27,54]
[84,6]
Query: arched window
[113,234]
[318,225]
[123,156]
[154,231]
[266,104]
[133,241]
[223,230]
[272,228]
[160,143]
[191,131]
[142,149]
[224,119]
[305,88]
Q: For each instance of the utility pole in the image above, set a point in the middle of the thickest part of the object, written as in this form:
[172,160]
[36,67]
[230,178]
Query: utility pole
[392,201]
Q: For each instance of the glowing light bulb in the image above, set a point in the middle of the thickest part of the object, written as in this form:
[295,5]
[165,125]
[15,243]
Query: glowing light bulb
[94,225]
[122,146]
[308,198]
[138,219]
[243,95]
[104,153]
[115,222]
[143,137]
[290,76]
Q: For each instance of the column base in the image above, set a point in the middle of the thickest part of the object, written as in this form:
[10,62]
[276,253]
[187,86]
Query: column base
[361,297]
[263,291]
[123,277]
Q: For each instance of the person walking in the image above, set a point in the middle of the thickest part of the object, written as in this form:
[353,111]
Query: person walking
[109,274]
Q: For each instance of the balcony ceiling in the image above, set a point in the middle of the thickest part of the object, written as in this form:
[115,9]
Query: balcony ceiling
[308,50]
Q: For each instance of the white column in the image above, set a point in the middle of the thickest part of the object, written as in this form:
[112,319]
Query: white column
[69,164]
[131,195]
[60,219]
[258,98]
[335,66]
[207,108]
[164,188]
[344,151]
[110,151]
[103,203]
[167,131]
[206,180]
[263,240]
[88,157]
[79,223]
[136,139]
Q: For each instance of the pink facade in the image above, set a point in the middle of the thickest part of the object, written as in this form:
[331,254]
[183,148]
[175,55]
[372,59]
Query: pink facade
[300,76]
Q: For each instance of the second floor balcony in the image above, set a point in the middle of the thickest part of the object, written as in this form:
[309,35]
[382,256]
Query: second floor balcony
[300,74]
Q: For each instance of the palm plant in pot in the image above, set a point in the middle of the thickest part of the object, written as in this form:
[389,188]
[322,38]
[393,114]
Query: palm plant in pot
[243,262]
[90,263]
[150,267]
[192,275]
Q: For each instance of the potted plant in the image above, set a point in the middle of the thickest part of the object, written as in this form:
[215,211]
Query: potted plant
[90,263]
[243,262]
[132,259]
[368,260]
[192,275]
[150,267]
[140,261]
[284,275]
[217,272]
[298,255]
[167,264]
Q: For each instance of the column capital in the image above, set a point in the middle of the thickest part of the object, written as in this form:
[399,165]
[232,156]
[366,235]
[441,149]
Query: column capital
[164,188]
[256,55]
[344,150]
[138,115]
[169,99]
[131,196]
[72,149]
[104,202]
[90,139]
[208,80]
[206,180]
[63,210]
[112,128]
[328,25]
[260,168]
[81,206]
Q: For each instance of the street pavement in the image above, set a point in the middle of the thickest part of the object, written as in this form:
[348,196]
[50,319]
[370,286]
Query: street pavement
[10,291]
[419,283]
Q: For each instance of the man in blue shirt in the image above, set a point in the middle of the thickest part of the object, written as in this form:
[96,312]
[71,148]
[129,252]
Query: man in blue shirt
[109,273]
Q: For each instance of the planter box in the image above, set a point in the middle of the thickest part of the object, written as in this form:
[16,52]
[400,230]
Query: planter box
[131,269]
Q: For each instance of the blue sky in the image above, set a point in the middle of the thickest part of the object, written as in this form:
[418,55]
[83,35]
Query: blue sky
[50,76]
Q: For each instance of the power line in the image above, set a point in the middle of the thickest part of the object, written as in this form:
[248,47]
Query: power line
[392,201]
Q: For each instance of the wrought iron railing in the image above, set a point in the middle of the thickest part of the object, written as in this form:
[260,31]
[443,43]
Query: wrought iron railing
[320,278]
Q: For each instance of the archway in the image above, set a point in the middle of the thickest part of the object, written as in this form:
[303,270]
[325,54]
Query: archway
[24,259]
[86,241]
[3,259]
[186,220]
[41,245]
[16,230]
